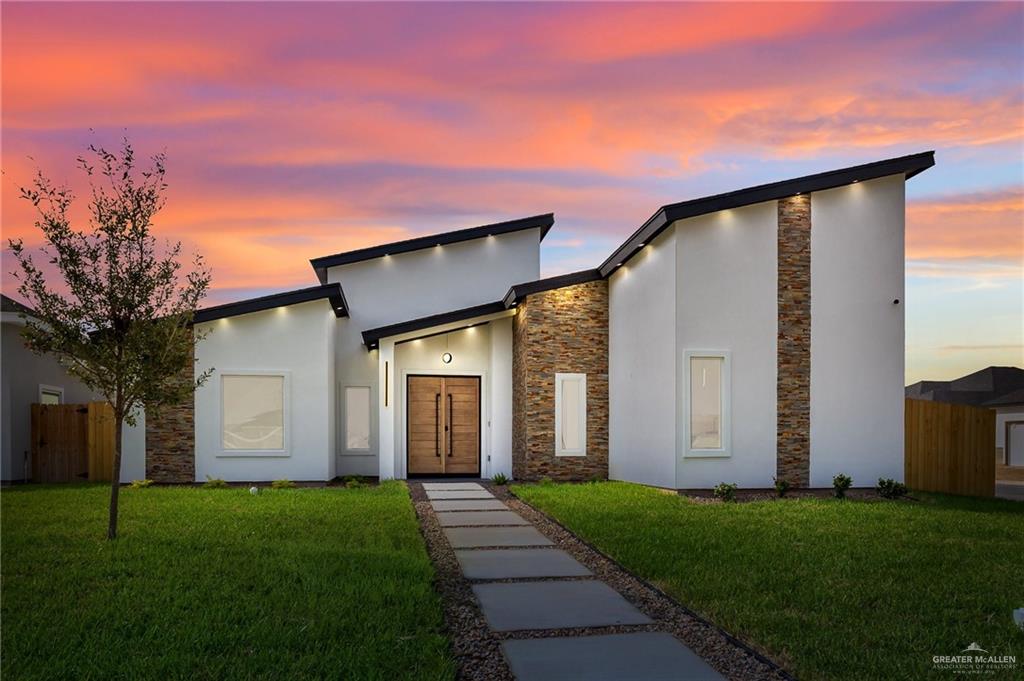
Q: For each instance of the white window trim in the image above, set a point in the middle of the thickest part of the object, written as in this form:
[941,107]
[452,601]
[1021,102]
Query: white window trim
[726,449]
[559,379]
[286,422]
[370,449]
[44,388]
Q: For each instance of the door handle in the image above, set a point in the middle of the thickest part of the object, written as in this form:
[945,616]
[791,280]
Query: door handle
[437,424]
[448,424]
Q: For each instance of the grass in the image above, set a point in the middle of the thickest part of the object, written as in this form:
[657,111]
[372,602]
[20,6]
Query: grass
[218,584]
[830,589]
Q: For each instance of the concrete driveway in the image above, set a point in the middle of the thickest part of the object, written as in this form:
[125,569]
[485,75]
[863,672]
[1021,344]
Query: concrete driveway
[1006,489]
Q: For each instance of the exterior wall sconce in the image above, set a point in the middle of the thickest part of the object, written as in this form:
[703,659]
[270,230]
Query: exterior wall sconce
[446,358]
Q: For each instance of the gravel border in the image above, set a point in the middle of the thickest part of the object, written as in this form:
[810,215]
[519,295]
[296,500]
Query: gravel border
[477,649]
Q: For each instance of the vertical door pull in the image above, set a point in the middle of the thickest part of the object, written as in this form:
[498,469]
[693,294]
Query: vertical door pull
[437,425]
[448,424]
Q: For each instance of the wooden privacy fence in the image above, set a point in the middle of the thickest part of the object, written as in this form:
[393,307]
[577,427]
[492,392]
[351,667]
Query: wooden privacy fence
[949,448]
[72,442]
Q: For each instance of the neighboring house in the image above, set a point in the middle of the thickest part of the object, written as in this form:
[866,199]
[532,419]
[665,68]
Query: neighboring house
[737,338]
[998,388]
[29,378]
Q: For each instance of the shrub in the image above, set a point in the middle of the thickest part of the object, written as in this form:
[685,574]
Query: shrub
[726,491]
[890,489]
[546,481]
[840,484]
[781,487]
[500,479]
[214,483]
[139,484]
[283,483]
[354,482]
[595,478]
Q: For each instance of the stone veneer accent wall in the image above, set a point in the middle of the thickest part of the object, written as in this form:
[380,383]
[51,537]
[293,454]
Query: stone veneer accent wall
[793,453]
[559,331]
[171,439]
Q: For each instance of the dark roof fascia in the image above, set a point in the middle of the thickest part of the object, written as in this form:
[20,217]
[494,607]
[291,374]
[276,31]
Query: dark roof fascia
[371,337]
[543,222]
[909,166]
[520,291]
[1012,398]
[330,292]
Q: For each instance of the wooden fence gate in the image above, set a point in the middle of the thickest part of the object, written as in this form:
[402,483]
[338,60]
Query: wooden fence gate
[949,448]
[72,442]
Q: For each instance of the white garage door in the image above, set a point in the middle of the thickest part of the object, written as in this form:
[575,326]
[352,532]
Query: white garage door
[1015,444]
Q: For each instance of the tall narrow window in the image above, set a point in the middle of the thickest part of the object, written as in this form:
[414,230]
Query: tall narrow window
[357,418]
[253,412]
[707,419]
[570,414]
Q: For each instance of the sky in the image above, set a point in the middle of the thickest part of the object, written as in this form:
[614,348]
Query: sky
[299,130]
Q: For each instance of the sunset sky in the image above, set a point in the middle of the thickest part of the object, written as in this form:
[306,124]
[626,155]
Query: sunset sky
[300,130]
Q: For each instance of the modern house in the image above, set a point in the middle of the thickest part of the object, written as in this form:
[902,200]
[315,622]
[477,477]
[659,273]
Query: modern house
[997,388]
[737,337]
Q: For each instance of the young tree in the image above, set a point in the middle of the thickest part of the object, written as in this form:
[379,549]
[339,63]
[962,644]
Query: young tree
[122,320]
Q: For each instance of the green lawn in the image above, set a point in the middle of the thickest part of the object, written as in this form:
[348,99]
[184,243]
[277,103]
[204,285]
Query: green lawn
[831,589]
[218,584]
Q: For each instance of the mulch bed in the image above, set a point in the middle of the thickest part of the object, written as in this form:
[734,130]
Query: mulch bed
[477,649]
[706,496]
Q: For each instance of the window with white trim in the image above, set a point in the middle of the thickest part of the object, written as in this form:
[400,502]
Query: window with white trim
[253,412]
[570,414]
[357,417]
[707,403]
[51,394]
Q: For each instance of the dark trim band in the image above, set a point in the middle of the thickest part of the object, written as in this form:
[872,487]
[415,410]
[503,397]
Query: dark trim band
[330,292]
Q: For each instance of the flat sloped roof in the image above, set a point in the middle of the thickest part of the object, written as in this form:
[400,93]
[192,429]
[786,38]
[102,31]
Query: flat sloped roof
[331,292]
[542,222]
[371,337]
[666,215]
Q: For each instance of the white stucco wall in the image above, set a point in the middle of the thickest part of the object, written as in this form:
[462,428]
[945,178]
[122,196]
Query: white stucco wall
[501,398]
[641,366]
[727,295]
[407,286]
[471,351]
[857,334]
[294,340]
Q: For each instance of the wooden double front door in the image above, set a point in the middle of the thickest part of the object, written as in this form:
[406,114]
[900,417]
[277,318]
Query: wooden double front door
[443,429]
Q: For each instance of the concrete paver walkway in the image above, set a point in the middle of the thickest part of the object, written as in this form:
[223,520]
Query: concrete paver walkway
[486,542]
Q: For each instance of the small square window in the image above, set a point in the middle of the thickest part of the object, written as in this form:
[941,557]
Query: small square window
[49,394]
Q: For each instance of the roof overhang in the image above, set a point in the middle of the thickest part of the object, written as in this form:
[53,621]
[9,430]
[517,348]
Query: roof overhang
[541,222]
[520,291]
[329,292]
[432,325]
[909,166]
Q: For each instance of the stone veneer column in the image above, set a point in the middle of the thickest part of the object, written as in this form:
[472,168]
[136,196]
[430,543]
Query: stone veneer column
[560,331]
[170,439]
[793,449]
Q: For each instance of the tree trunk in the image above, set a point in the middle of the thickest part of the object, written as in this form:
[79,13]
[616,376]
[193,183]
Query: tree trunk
[115,482]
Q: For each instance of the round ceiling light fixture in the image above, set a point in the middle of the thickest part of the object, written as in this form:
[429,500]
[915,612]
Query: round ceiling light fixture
[446,358]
